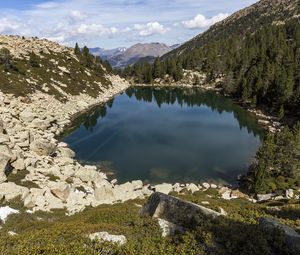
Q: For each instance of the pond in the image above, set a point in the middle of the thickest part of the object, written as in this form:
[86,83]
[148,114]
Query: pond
[168,135]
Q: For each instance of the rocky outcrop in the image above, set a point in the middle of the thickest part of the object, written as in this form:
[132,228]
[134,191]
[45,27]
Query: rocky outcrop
[176,211]
[292,238]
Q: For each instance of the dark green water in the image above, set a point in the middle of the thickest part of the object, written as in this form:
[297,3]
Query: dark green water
[168,135]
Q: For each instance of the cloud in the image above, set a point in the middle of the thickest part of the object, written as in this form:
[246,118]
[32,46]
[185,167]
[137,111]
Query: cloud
[95,29]
[150,28]
[8,25]
[200,21]
[76,16]
[47,5]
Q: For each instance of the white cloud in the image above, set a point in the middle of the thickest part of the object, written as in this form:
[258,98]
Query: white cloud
[150,28]
[8,25]
[95,29]
[76,16]
[47,5]
[200,21]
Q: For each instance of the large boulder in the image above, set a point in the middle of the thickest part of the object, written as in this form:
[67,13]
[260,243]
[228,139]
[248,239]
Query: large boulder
[105,194]
[42,147]
[292,238]
[177,211]
[65,152]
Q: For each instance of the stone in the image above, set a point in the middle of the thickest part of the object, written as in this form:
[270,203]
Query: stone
[27,116]
[213,186]
[1,126]
[289,193]
[137,184]
[4,138]
[10,190]
[42,147]
[106,237]
[292,238]
[87,175]
[192,187]
[169,228]
[164,188]
[177,211]
[105,194]
[65,152]
[4,160]
[62,194]
[264,197]
[206,185]
[18,164]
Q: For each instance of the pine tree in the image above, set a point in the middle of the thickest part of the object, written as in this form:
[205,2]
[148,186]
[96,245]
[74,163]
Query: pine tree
[77,50]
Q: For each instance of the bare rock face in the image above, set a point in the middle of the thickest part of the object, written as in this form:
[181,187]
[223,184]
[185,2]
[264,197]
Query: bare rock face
[176,211]
[42,147]
[292,238]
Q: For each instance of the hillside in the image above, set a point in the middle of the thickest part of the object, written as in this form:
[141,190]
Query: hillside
[31,64]
[248,20]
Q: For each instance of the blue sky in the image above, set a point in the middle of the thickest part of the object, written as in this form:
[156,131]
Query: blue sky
[114,23]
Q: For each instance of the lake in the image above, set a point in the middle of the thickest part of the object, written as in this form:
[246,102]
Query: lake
[168,135]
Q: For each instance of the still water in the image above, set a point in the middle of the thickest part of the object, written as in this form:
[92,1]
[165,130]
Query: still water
[168,135]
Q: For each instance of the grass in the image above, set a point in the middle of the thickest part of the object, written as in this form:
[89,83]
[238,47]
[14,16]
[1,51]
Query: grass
[237,233]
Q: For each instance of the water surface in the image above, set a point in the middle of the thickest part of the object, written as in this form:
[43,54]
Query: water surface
[168,135]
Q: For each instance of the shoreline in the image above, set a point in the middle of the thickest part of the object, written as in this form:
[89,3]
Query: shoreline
[60,181]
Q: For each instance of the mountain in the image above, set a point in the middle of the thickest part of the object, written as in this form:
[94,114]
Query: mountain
[106,54]
[122,57]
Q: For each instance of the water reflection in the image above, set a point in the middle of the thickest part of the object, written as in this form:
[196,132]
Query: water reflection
[168,135]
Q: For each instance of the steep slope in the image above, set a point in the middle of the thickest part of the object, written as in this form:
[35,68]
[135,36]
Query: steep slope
[248,20]
[136,52]
[30,64]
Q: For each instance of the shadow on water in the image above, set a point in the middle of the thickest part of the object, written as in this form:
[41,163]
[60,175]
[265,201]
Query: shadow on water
[94,136]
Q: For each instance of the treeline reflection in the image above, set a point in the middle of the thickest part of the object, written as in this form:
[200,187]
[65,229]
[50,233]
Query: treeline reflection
[184,97]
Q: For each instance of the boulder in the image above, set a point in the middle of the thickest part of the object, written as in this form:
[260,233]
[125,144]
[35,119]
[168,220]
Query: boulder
[18,164]
[289,193]
[264,197]
[192,187]
[164,188]
[206,185]
[138,184]
[4,138]
[177,211]
[292,238]
[62,194]
[65,152]
[10,190]
[27,116]
[42,147]
[169,228]
[88,175]
[4,161]
[105,194]
[106,237]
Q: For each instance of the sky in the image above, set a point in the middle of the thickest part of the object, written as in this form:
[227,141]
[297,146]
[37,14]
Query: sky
[114,23]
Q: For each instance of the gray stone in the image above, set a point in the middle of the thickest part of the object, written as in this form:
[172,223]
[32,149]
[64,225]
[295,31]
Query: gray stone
[105,194]
[169,228]
[18,164]
[42,147]
[289,193]
[27,116]
[206,185]
[62,194]
[66,152]
[177,211]
[264,197]
[4,161]
[192,187]
[164,188]
[4,138]
[106,237]
[291,236]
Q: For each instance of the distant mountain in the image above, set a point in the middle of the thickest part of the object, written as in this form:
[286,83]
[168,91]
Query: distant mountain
[106,54]
[122,57]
